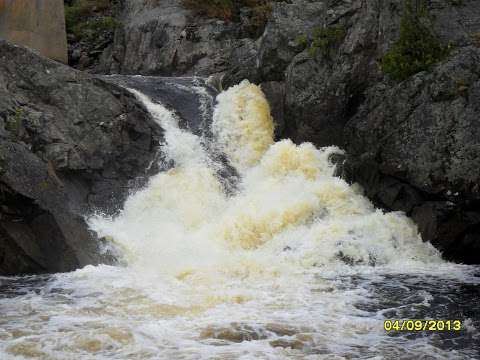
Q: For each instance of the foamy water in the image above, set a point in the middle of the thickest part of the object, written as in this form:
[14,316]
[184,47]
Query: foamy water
[295,264]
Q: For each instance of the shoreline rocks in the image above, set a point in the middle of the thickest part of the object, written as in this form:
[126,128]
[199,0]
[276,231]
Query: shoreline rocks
[70,144]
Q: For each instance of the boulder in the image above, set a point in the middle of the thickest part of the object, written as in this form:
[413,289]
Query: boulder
[70,145]
[415,146]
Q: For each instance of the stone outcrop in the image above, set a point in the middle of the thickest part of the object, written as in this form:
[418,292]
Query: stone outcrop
[164,38]
[37,24]
[70,144]
[415,147]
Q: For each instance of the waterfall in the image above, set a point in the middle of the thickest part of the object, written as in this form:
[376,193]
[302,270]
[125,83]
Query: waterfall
[290,212]
[290,262]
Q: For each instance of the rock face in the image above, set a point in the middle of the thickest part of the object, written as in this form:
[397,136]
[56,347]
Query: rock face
[414,145]
[38,24]
[164,38]
[70,144]
[325,91]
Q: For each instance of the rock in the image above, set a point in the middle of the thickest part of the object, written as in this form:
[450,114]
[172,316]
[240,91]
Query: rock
[422,137]
[279,43]
[242,64]
[413,145]
[324,90]
[452,228]
[275,94]
[425,130]
[70,144]
[164,38]
[325,86]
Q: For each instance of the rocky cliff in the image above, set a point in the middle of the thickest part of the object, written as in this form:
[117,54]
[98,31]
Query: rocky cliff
[70,144]
[413,144]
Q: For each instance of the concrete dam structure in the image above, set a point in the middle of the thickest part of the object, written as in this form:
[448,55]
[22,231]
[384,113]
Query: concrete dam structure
[37,24]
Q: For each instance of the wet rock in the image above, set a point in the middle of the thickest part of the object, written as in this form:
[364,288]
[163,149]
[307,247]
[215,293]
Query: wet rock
[236,332]
[418,141]
[284,343]
[275,93]
[454,229]
[70,144]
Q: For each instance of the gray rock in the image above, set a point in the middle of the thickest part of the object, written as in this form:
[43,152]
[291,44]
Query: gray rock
[423,136]
[70,144]
[425,130]
[325,90]
[275,94]
[164,38]
[279,43]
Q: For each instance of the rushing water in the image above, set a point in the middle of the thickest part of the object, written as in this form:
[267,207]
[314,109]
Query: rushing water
[245,248]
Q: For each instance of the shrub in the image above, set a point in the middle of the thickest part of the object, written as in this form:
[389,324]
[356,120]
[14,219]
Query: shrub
[260,14]
[81,17]
[417,49]
[88,29]
[229,9]
[223,9]
[326,39]
[302,40]
[14,123]
[476,39]
[322,39]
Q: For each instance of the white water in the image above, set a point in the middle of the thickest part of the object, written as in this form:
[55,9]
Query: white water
[270,264]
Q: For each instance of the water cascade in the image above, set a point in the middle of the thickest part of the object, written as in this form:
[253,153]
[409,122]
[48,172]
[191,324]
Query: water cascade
[289,262]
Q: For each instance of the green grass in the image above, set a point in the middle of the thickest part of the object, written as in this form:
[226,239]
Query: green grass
[417,48]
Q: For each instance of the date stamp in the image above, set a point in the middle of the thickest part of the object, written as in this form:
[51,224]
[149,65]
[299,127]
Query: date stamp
[422,325]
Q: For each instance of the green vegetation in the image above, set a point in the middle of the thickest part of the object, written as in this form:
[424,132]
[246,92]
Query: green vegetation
[223,9]
[417,49]
[302,40]
[84,18]
[324,40]
[476,39]
[229,10]
[14,123]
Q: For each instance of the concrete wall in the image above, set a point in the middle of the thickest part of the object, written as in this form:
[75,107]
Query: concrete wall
[37,24]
